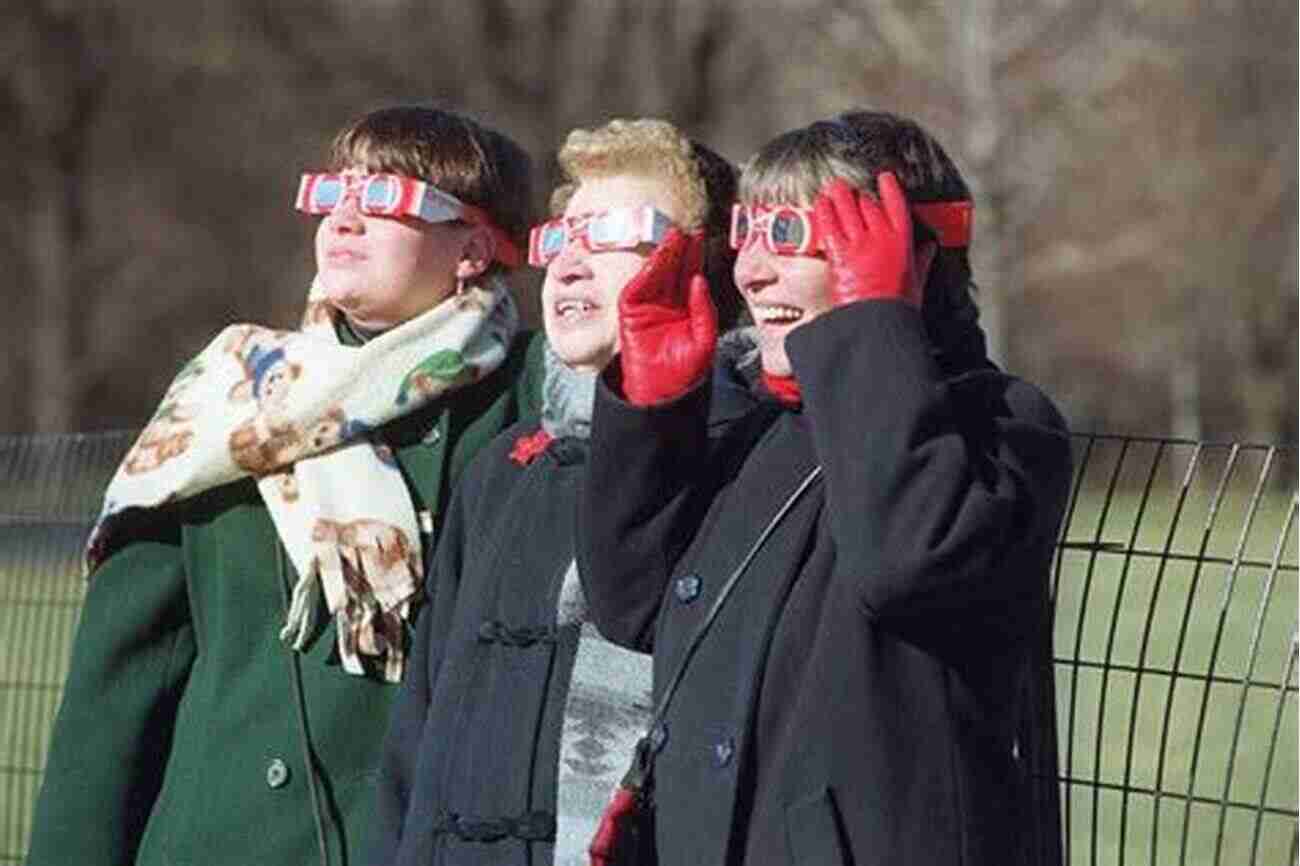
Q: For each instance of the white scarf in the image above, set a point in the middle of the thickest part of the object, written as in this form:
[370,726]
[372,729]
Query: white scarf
[292,408]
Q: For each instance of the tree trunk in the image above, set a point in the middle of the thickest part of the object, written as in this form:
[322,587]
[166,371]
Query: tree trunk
[55,367]
[984,141]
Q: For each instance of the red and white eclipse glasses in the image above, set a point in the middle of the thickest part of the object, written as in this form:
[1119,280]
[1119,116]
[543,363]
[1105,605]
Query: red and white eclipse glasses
[395,195]
[620,228]
[791,231]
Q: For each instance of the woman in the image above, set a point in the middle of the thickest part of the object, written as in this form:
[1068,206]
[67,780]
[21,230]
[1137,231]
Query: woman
[854,701]
[262,547]
[516,718]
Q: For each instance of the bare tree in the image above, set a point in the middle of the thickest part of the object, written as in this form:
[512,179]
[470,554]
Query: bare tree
[1135,181]
[53,90]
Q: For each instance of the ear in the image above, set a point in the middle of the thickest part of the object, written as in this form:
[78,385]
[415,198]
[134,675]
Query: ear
[476,254]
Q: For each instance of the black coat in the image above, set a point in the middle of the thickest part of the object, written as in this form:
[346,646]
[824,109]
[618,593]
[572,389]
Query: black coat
[856,699]
[468,773]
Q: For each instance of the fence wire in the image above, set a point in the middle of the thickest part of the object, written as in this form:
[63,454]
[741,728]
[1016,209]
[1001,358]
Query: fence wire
[50,487]
[1163,730]
[1175,654]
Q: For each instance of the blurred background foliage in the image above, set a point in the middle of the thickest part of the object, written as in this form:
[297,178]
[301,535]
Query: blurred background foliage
[1134,161]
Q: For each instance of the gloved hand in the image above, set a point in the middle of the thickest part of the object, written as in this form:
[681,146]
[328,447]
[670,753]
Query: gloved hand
[667,324]
[868,244]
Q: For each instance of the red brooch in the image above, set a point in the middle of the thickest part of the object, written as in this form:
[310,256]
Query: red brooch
[527,447]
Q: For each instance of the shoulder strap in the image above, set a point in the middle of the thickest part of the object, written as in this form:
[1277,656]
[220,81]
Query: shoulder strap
[727,587]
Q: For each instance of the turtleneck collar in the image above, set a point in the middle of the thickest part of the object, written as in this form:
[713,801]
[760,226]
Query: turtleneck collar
[567,398]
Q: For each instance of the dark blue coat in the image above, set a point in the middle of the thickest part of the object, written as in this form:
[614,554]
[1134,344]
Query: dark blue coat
[468,773]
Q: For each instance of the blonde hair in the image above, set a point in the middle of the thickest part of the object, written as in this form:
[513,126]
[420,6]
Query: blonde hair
[649,147]
[701,182]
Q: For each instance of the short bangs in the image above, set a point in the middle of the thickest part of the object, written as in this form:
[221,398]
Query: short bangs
[794,167]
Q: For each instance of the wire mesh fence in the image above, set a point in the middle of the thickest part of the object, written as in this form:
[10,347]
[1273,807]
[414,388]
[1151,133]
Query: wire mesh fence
[50,488]
[1174,645]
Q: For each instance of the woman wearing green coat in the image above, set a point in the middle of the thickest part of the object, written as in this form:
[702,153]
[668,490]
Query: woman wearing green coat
[257,567]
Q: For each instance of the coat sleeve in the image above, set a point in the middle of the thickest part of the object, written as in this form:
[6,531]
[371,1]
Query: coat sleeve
[397,762]
[944,496]
[130,661]
[642,502]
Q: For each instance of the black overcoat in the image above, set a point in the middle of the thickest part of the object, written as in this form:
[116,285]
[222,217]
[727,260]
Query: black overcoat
[856,699]
[468,773]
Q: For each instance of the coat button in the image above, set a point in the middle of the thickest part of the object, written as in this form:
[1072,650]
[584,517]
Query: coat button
[277,773]
[688,588]
[659,737]
[723,750]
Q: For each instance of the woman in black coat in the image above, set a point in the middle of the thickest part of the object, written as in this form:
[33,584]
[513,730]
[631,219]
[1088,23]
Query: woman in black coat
[516,717]
[856,698]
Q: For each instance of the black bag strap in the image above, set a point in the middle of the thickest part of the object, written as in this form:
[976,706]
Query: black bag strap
[698,637]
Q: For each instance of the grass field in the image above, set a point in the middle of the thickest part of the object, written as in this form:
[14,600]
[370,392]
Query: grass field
[1175,640]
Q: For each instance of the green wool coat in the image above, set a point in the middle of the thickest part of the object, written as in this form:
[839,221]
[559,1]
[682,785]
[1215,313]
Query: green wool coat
[183,735]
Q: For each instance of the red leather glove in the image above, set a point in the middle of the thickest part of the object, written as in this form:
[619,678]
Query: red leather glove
[667,324]
[868,244]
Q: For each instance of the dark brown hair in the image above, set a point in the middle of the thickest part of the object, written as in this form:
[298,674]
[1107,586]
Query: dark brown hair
[858,145]
[476,164]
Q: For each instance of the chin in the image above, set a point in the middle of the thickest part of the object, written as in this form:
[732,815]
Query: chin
[772,355]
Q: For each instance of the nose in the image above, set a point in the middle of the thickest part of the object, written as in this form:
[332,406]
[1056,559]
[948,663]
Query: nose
[571,263]
[345,218]
[753,270]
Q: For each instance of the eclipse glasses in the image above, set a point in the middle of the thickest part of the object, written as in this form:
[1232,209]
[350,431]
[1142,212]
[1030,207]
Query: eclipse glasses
[620,228]
[791,231]
[395,195]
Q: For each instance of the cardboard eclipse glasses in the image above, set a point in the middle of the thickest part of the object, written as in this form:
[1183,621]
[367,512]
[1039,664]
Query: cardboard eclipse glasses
[395,195]
[791,231]
[620,228]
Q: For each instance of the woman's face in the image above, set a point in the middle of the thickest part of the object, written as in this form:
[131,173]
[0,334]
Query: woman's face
[381,271]
[581,289]
[782,292]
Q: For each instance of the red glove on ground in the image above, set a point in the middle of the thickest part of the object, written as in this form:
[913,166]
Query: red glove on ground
[868,244]
[667,324]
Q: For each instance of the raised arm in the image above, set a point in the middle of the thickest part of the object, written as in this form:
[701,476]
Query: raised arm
[944,495]
[649,452]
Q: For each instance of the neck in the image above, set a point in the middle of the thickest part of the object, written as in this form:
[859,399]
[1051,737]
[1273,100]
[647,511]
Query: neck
[352,334]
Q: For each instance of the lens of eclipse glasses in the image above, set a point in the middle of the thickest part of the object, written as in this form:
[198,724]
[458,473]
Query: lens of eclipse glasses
[327,192]
[607,229]
[787,228]
[379,193]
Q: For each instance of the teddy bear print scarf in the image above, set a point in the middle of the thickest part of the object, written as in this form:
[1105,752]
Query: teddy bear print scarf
[293,409]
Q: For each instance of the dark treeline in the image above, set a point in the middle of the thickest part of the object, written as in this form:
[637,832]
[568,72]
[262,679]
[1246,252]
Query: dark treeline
[1135,165]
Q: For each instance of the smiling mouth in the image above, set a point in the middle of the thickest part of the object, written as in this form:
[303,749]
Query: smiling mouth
[776,314]
[344,256]
[573,308]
